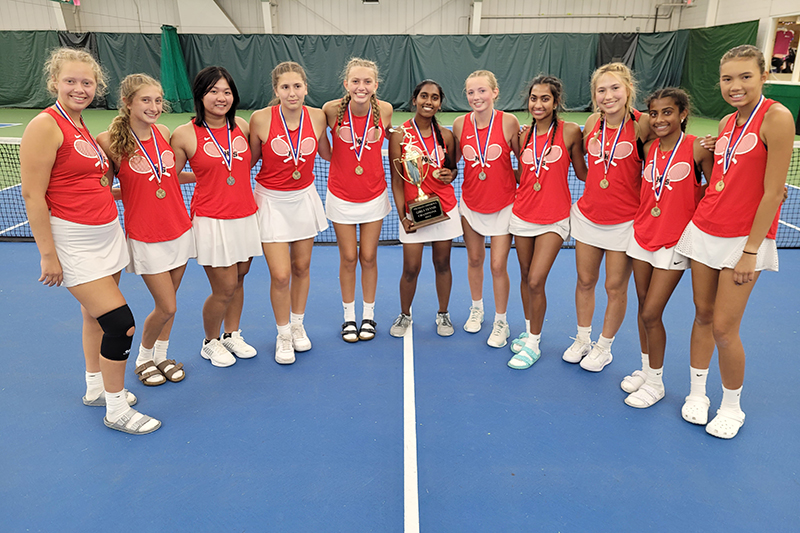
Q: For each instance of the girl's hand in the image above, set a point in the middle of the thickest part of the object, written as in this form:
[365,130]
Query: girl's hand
[745,269]
[51,272]
[446,176]
[523,130]
[708,142]
[408,225]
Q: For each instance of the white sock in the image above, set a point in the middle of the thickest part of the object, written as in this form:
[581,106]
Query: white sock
[369,311]
[116,405]
[349,311]
[160,351]
[145,355]
[297,319]
[285,330]
[501,316]
[645,361]
[698,381]
[730,399]
[478,304]
[528,327]
[585,334]
[655,377]
[532,342]
[94,384]
[604,343]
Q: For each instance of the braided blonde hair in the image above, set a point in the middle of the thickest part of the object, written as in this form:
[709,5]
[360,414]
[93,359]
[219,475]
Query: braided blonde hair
[122,142]
[376,110]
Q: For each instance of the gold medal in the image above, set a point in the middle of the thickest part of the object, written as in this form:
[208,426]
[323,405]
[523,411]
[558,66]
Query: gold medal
[296,174]
[537,186]
[161,193]
[231,180]
[604,183]
[359,170]
[482,175]
[656,211]
[436,173]
[104,181]
[720,185]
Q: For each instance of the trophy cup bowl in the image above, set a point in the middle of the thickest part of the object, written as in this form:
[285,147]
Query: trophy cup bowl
[424,209]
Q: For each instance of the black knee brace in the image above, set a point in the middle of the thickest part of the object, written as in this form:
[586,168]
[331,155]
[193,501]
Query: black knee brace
[116,344]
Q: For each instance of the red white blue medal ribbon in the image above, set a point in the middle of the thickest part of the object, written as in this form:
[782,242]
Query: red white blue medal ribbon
[159,170]
[607,161]
[425,147]
[658,186]
[227,156]
[482,152]
[537,161]
[730,151]
[359,149]
[90,139]
[296,156]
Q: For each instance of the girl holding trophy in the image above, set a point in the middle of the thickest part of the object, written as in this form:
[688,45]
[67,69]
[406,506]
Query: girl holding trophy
[423,168]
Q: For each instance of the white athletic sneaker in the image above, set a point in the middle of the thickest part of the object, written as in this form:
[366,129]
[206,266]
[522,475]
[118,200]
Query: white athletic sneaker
[300,340]
[500,334]
[400,325]
[284,352]
[235,344]
[577,351]
[215,352]
[444,326]
[597,359]
[473,323]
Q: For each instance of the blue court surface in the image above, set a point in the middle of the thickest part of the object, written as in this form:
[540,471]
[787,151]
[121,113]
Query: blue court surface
[9,124]
[321,445]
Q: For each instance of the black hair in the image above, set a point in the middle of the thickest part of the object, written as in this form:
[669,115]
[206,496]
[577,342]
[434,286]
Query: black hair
[204,82]
[680,98]
[557,90]
[434,123]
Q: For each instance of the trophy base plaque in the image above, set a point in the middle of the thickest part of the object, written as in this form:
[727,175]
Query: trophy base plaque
[426,212]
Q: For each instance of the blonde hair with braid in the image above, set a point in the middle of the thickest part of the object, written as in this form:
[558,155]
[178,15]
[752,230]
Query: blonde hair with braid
[376,110]
[122,142]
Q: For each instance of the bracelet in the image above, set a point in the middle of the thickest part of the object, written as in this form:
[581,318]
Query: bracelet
[749,253]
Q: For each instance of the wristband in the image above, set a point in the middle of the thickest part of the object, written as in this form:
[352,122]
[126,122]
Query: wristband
[749,253]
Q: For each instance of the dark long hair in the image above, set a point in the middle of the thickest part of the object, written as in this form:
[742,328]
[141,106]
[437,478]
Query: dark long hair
[447,163]
[204,82]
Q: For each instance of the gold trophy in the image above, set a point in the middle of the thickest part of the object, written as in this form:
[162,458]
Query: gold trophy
[425,209]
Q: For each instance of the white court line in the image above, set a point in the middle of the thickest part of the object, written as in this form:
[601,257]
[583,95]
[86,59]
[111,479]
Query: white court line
[13,227]
[790,225]
[410,480]
[10,187]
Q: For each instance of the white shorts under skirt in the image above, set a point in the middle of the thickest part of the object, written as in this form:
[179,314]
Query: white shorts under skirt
[522,228]
[611,237]
[724,252]
[663,258]
[289,216]
[344,212]
[158,257]
[225,242]
[86,252]
[487,224]
[446,230]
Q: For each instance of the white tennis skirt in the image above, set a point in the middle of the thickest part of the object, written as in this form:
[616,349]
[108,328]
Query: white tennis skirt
[528,229]
[86,252]
[225,242]
[611,237]
[724,252]
[289,216]
[157,257]
[344,212]
[663,258]
[445,230]
[487,224]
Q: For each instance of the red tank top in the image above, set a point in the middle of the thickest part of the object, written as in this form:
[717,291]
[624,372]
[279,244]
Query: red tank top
[680,194]
[344,181]
[277,162]
[552,201]
[148,217]
[731,211]
[74,192]
[430,185]
[619,201]
[497,190]
[213,196]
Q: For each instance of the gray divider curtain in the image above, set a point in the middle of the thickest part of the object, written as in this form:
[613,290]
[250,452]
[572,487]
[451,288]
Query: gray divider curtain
[121,54]
[21,61]
[659,61]
[616,47]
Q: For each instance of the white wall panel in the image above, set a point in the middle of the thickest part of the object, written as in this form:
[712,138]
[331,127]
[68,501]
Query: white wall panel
[130,16]
[245,14]
[28,15]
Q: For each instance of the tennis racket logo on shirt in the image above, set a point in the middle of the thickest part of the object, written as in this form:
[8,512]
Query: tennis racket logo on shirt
[748,142]
[140,165]
[282,149]
[346,134]
[624,149]
[677,172]
[553,154]
[494,151]
[425,159]
[86,150]
[239,147]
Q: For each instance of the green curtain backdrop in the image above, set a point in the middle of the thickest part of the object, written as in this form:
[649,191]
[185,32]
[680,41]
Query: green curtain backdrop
[177,90]
[701,68]
[658,61]
[127,53]
[21,61]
